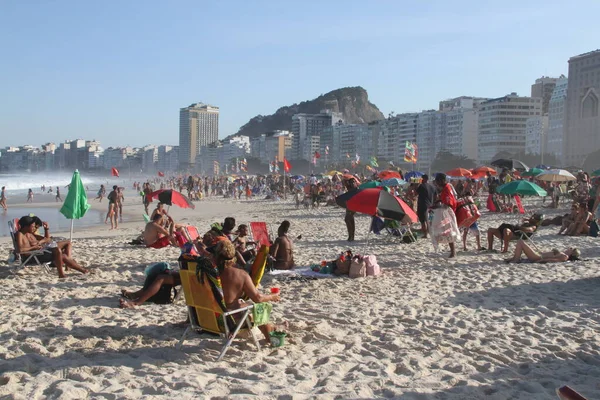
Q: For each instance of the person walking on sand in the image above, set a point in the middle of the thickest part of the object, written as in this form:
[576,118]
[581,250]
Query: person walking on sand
[30,196]
[58,198]
[448,198]
[101,193]
[426,196]
[350,185]
[3,198]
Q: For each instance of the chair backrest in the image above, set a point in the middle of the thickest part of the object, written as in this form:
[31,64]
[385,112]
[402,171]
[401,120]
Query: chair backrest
[259,265]
[260,233]
[192,232]
[12,228]
[519,204]
[201,301]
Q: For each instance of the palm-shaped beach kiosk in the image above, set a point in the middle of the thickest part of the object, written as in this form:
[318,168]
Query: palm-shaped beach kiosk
[75,205]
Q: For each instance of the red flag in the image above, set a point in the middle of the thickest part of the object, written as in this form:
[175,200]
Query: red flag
[286,165]
[317,155]
[114,172]
[161,173]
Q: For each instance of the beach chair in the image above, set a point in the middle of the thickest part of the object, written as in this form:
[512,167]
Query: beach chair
[260,233]
[259,265]
[22,261]
[519,204]
[192,233]
[206,307]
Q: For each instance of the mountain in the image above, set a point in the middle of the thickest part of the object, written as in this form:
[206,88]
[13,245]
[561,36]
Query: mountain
[352,102]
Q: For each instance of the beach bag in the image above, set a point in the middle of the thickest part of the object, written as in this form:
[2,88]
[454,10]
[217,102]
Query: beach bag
[342,267]
[372,266]
[594,229]
[358,268]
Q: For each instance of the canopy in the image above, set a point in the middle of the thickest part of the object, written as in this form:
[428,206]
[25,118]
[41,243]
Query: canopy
[556,175]
[376,202]
[521,187]
[532,172]
[171,197]
[459,172]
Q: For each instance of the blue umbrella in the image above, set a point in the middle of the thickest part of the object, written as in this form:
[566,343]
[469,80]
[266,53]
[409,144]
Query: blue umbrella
[393,182]
[297,177]
[412,174]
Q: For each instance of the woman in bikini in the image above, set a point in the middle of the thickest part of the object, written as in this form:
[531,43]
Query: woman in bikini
[571,254]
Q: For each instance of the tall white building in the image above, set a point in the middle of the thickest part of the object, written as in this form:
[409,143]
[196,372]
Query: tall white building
[266,146]
[394,132]
[556,119]
[149,158]
[236,147]
[582,122]
[306,129]
[168,158]
[198,126]
[502,124]
[344,142]
[536,134]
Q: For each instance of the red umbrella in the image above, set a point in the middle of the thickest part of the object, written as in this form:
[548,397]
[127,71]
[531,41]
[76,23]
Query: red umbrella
[376,202]
[171,197]
[459,172]
[388,174]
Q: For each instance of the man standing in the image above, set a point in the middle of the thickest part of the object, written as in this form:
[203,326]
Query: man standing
[350,185]
[426,192]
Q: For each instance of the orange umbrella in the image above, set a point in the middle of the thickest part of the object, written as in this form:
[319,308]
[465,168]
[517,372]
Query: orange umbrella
[347,177]
[459,172]
[389,174]
[484,170]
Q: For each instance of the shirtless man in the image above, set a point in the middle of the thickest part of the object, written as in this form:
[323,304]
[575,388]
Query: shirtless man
[241,242]
[236,282]
[281,251]
[59,255]
[571,254]
[156,236]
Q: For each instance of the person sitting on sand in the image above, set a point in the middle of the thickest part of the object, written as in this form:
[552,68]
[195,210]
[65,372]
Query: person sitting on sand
[59,254]
[506,232]
[237,283]
[571,254]
[568,219]
[281,251]
[156,236]
[580,226]
[157,277]
[244,255]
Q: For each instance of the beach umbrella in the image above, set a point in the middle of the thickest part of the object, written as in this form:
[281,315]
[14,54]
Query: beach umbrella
[484,170]
[369,185]
[509,163]
[75,205]
[334,172]
[393,182]
[389,174]
[456,172]
[376,202]
[412,174]
[524,188]
[297,177]
[171,197]
[347,177]
[556,175]
[532,172]
[596,173]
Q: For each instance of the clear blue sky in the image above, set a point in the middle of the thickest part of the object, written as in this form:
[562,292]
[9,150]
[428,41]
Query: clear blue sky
[118,71]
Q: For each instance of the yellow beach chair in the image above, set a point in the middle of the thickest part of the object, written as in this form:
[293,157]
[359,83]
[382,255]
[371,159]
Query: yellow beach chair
[259,265]
[206,307]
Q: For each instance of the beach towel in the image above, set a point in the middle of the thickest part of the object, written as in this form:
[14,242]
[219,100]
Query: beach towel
[261,313]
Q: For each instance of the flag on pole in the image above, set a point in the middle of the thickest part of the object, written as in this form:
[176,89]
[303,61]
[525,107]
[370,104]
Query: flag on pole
[326,150]
[357,158]
[314,160]
[161,174]
[114,172]
[276,164]
[374,162]
[410,152]
[317,155]
[286,165]
[271,169]
[216,167]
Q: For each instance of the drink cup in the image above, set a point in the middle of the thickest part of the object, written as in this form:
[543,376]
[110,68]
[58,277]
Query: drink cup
[274,290]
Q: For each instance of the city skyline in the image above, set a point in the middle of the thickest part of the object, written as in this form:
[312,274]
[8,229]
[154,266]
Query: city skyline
[86,76]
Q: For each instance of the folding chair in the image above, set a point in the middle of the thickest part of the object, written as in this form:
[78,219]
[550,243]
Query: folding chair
[519,204]
[260,233]
[192,233]
[31,255]
[259,265]
[206,306]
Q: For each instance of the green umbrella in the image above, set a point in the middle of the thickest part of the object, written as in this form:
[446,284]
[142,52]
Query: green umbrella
[532,172]
[596,172]
[524,188]
[75,205]
[369,185]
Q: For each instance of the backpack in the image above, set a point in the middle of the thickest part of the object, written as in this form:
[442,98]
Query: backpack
[358,268]
[373,268]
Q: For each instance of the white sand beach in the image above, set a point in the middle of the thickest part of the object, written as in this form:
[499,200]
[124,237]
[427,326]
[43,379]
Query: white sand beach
[469,328]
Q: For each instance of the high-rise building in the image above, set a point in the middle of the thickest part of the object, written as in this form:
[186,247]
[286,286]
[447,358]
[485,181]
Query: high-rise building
[543,88]
[198,126]
[536,134]
[168,158]
[344,142]
[394,132]
[266,147]
[502,124]
[582,120]
[307,129]
[556,119]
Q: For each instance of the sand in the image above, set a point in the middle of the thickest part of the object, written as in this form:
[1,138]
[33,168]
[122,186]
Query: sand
[429,327]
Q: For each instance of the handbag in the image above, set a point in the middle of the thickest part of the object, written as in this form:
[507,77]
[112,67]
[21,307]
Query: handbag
[358,268]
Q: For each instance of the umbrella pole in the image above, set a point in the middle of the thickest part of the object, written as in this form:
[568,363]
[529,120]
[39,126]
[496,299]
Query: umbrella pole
[71,233]
[366,246]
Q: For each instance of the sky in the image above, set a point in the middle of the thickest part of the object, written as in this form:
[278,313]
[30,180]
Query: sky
[119,71]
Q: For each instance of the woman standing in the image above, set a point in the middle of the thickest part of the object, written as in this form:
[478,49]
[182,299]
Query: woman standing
[30,196]
[3,198]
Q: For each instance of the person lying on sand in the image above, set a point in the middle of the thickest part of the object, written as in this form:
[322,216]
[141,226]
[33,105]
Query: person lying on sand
[155,280]
[156,236]
[59,254]
[506,232]
[237,283]
[571,254]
